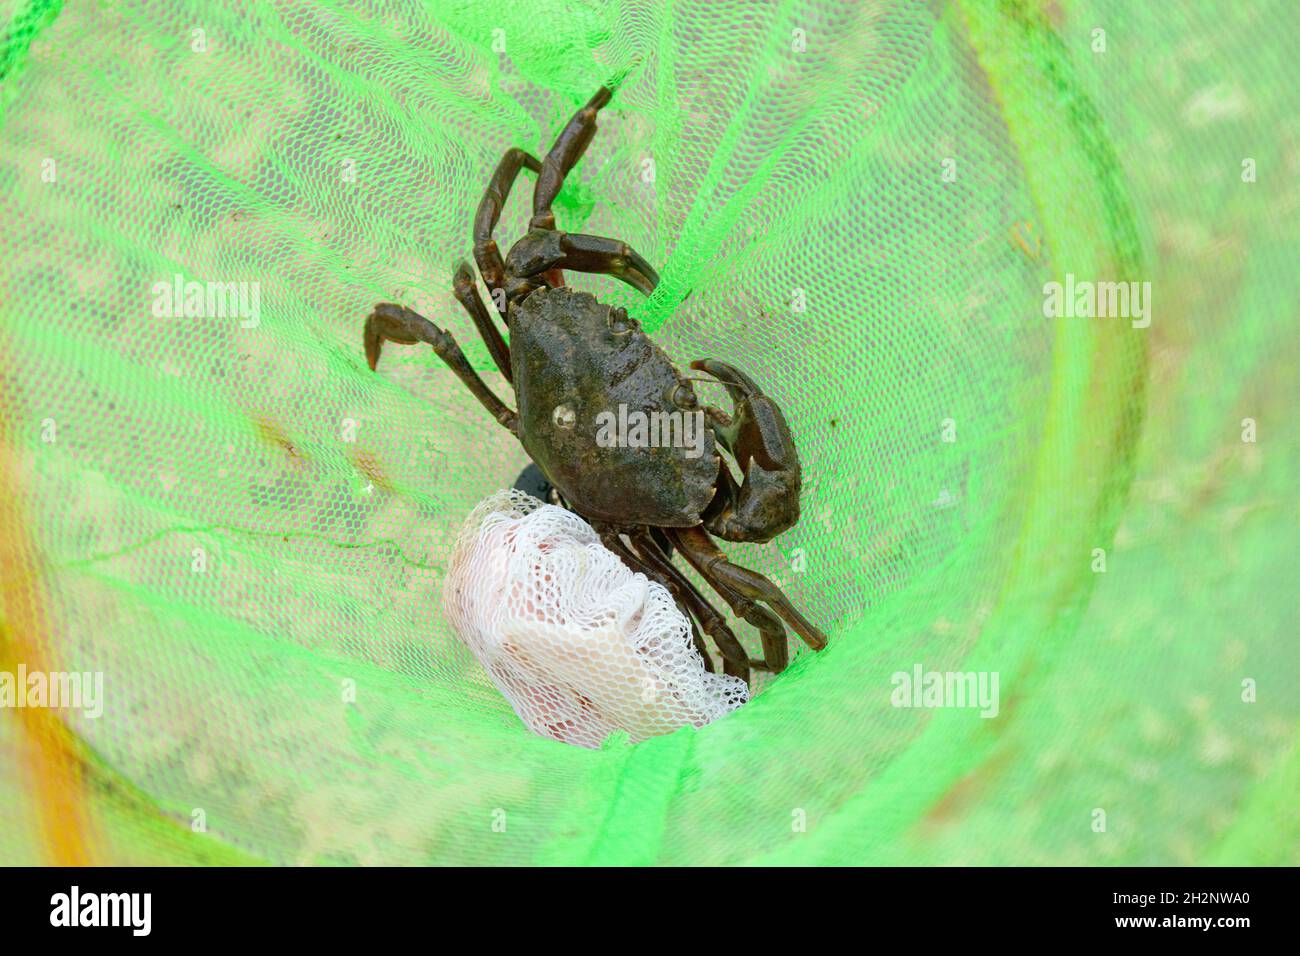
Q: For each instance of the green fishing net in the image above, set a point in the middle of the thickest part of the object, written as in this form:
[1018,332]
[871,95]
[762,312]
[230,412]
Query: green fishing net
[225,513]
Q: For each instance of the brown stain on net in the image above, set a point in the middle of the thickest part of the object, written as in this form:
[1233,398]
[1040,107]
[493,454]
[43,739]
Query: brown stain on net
[368,463]
[270,431]
[966,792]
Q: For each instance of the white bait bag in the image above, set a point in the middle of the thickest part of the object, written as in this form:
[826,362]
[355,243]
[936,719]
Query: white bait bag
[579,644]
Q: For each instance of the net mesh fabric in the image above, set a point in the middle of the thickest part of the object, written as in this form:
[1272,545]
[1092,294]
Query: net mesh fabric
[247,532]
[581,646]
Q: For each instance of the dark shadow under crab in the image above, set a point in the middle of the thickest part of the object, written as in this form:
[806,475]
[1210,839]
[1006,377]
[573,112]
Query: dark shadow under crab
[570,359]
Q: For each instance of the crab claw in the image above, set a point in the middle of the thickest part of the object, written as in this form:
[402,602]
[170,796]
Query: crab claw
[758,438]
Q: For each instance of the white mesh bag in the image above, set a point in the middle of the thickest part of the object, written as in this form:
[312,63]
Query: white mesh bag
[578,643]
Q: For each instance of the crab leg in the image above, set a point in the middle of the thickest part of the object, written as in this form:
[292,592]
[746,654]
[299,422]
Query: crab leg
[734,659]
[467,295]
[564,155]
[396,323]
[486,252]
[613,540]
[776,647]
[715,568]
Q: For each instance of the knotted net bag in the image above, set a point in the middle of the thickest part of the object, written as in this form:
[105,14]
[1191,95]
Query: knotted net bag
[581,646]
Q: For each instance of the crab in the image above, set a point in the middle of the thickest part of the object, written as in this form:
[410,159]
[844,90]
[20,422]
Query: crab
[570,358]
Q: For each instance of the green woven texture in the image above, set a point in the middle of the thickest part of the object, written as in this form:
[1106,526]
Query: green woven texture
[858,203]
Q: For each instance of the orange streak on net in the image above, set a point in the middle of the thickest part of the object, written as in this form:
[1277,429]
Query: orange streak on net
[47,749]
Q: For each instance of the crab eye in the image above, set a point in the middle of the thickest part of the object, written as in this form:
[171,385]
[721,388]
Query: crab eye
[618,322]
[684,396]
[564,417]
